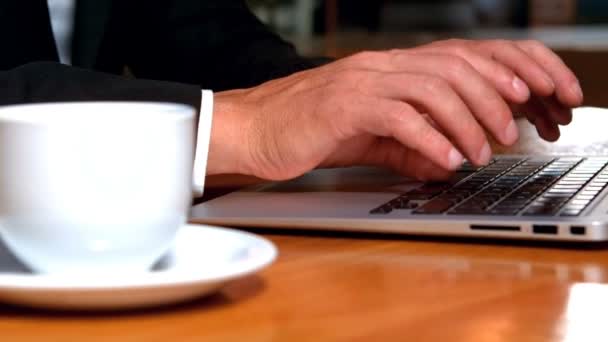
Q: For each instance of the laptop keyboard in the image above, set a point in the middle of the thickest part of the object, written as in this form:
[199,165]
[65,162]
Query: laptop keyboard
[514,186]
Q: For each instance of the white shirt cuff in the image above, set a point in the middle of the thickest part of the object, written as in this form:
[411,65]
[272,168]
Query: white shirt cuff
[203,139]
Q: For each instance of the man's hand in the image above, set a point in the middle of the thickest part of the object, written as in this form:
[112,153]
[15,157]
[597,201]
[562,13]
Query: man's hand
[418,111]
[554,88]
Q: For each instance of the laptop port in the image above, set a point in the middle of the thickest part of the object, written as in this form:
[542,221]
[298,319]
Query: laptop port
[578,230]
[544,229]
[495,228]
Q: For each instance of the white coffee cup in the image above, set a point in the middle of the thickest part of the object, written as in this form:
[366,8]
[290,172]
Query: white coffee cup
[94,187]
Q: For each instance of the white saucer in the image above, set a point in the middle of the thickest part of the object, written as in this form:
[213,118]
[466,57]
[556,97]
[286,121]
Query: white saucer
[203,259]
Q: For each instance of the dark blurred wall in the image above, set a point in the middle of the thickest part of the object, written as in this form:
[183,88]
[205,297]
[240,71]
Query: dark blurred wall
[400,15]
[592,12]
[364,14]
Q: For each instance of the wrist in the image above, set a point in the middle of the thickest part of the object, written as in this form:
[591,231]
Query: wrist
[228,146]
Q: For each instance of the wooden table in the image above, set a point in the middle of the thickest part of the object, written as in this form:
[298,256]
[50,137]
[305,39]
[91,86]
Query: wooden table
[381,288]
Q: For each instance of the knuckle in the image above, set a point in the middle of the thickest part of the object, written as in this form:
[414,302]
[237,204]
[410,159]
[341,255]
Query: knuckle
[476,136]
[459,50]
[420,174]
[427,135]
[456,42]
[505,116]
[299,84]
[533,44]
[458,47]
[394,119]
[395,57]
[427,140]
[332,89]
[462,47]
[434,85]
[347,76]
[457,67]
[500,42]
[502,73]
[465,125]
[356,83]
[468,134]
[347,79]
[364,57]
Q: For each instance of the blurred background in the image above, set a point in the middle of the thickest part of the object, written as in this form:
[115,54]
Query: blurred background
[576,29]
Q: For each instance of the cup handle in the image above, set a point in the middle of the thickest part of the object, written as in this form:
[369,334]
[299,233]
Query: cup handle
[202,143]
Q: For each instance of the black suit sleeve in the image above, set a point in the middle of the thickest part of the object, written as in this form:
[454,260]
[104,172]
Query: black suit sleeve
[217,44]
[54,82]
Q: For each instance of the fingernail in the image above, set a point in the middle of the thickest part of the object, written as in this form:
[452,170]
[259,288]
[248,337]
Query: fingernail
[521,88]
[455,159]
[577,91]
[511,133]
[485,154]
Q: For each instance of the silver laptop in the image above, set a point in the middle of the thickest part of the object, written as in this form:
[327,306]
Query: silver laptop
[521,197]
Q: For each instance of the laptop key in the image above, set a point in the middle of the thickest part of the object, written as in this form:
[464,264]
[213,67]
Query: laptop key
[381,210]
[563,191]
[435,206]
[589,192]
[574,207]
[401,203]
[470,211]
[541,211]
[419,196]
[580,202]
[571,212]
[503,211]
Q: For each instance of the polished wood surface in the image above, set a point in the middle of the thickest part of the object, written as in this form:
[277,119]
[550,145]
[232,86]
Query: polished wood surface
[347,287]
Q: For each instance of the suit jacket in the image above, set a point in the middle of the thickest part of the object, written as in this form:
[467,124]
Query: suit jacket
[172,47]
